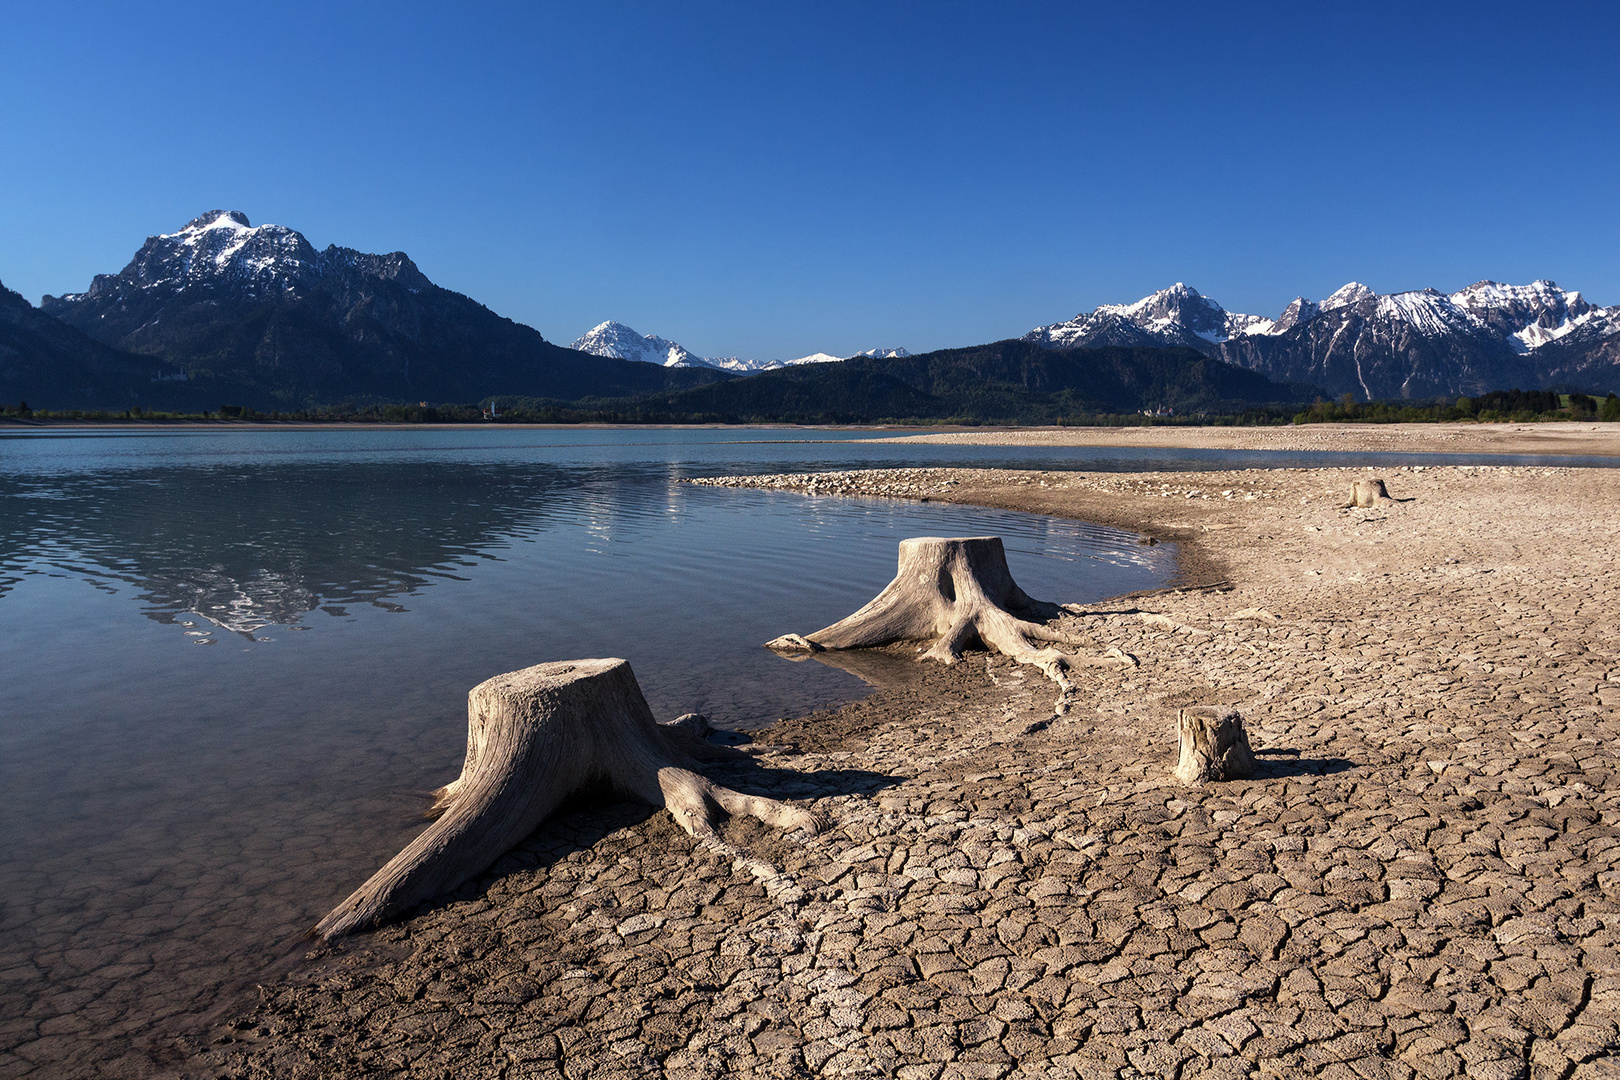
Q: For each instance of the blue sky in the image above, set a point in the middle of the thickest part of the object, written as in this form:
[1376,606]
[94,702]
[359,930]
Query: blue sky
[771,179]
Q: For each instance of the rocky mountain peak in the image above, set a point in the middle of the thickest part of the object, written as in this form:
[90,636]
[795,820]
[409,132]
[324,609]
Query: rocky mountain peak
[222,253]
[1299,310]
[1179,315]
[218,219]
[1352,292]
[394,266]
[1527,315]
[618,340]
[1179,302]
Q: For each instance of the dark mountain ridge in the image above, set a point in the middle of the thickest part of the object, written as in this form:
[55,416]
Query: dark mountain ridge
[1011,381]
[49,364]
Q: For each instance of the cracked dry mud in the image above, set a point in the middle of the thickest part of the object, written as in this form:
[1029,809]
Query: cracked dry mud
[1421,882]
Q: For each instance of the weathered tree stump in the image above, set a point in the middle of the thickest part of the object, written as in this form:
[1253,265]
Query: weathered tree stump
[535,737]
[954,591]
[1214,746]
[1366,493]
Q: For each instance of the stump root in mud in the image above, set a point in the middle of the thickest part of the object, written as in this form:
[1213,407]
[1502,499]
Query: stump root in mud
[535,737]
[1214,746]
[954,591]
[1367,493]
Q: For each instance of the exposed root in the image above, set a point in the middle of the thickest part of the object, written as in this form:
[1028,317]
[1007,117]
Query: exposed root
[955,592]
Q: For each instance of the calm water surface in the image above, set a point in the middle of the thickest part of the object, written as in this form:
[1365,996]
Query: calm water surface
[231,663]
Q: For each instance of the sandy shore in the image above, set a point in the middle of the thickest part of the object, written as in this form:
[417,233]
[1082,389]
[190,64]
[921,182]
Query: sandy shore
[1423,881]
[1561,438]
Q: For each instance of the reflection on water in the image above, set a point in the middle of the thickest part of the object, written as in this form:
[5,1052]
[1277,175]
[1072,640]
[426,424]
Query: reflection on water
[245,548]
[177,816]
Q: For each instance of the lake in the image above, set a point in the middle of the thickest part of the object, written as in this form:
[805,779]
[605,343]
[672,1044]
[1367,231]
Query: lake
[234,661]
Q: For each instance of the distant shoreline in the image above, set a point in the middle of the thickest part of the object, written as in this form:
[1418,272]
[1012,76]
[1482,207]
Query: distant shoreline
[381,425]
[1561,438]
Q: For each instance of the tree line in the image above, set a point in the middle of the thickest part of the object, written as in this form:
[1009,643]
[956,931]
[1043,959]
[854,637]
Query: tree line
[1517,406]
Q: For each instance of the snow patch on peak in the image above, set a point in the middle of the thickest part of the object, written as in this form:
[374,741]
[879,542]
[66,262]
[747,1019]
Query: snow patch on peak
[1352,292]
[1497,294]
[1158,304]
[221,248]
[1426,311]
[741,366]
[1248,325]
[234,220]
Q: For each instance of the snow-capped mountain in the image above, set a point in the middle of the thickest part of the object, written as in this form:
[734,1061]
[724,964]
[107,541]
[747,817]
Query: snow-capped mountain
[1398,345]
[258,311]
[1179,315]
[1529,316]
[221,250]
[617,339]
[1351,292]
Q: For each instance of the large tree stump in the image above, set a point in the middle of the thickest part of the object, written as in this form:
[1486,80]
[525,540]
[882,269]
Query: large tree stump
[535,737]
[1367,493]
[1214,746]
[953,591]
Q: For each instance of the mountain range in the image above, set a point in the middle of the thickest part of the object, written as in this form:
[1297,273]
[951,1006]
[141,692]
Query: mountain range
[225,311]
[260,315]
[1421,344]
[617,339]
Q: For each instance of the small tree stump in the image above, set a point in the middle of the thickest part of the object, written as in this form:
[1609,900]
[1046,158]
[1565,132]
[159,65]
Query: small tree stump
[1214,746]
[535,737]
[1366,493]
[954,591]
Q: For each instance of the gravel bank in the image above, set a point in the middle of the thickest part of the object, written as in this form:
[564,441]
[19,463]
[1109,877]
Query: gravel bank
[1422,882]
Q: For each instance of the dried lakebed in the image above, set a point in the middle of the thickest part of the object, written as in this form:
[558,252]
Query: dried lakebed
[1421,882]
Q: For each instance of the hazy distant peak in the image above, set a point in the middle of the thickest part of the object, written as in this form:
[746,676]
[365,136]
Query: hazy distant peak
[616,339]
